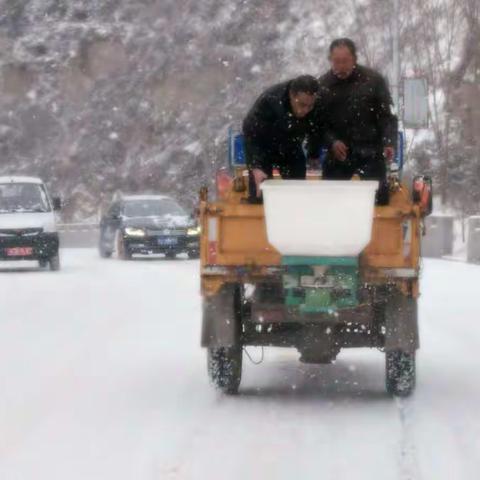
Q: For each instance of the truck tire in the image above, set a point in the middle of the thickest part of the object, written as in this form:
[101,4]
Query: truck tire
[222,318]
[225,368]
[221,335]
[54,263]
[401,323]
[400,373]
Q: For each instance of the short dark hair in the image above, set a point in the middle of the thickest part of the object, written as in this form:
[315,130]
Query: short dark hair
[344,42]
[305,84]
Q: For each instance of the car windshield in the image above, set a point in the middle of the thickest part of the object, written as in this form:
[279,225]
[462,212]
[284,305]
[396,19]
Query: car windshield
[153,208]
[23,198]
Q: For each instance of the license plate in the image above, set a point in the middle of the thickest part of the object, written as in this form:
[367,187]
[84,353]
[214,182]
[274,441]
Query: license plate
[167,241]
[19,252]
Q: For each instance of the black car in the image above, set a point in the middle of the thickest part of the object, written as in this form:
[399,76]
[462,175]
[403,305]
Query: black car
[148,224]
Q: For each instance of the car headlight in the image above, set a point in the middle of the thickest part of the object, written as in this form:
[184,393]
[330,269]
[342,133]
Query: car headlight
[134,232]
[194,231]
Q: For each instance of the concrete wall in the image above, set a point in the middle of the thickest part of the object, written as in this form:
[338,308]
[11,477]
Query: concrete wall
[78,235]
[473,242]
[438,240]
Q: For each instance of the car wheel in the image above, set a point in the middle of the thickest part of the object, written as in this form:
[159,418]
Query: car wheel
[123,253]
[194,254]
[43,263]
[105,254]
[103,251]
[170,255]
[54,263]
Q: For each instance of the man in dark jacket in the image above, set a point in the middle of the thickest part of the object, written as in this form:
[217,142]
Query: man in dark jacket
[276,127]
[361,130]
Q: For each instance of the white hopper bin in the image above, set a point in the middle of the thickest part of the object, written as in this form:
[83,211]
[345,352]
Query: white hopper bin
[319,218]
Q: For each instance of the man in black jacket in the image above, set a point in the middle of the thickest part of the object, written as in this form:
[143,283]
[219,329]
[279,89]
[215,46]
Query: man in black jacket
[361,130]
[276,127]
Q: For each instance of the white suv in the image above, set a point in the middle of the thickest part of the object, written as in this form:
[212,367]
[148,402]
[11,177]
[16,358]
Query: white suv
[28,229]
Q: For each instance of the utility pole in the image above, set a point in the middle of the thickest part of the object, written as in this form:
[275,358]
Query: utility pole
[396,74]
[396,60]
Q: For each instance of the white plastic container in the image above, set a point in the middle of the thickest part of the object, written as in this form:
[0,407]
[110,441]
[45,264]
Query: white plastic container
[319,218]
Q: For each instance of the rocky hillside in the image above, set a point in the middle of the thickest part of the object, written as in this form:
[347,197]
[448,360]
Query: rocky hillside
[134,95]
[99,96]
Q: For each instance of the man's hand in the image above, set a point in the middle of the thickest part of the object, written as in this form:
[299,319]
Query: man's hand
[259,176]
[340,150]
[389,153]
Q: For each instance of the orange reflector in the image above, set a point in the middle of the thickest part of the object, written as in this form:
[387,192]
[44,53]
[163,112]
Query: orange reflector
[212,253]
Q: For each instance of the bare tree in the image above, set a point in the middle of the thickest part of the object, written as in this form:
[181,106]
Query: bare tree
[440,40]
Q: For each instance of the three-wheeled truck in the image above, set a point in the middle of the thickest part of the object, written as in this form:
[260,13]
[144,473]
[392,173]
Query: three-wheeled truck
[317,267]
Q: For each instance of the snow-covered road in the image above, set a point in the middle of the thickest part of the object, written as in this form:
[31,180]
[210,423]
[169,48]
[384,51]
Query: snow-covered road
[102,377]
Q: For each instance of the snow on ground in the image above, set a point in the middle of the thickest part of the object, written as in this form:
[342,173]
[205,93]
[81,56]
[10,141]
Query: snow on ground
[102,377]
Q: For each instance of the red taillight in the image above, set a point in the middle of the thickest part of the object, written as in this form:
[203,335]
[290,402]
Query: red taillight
[212,253]
[223,182]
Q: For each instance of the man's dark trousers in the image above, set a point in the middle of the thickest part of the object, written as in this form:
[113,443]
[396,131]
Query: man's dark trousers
[367,163]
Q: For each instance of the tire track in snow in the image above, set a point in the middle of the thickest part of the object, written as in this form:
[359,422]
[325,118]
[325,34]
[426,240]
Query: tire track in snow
[409,467]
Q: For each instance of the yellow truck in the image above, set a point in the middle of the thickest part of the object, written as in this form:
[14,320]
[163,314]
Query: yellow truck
[255,295]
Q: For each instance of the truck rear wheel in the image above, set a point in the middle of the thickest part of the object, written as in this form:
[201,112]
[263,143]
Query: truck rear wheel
[400,373]
[221,335]
[225,368]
